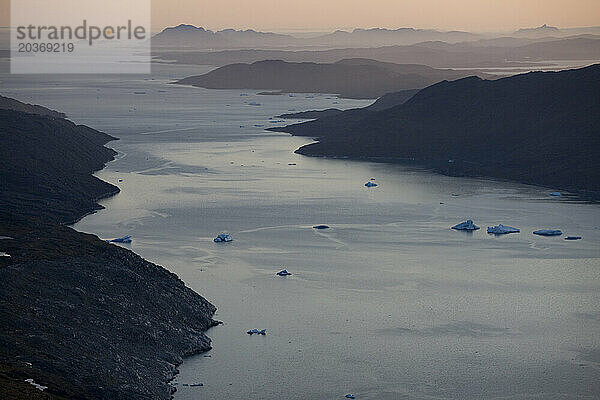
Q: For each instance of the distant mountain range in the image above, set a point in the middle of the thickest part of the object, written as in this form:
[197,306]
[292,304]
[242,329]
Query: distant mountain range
[185,36]
[499,52]
[541,128]
[540,31]
[351,78]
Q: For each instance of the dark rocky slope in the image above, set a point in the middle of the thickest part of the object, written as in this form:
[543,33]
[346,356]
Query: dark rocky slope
[351,78]
[88,319]
[541,128]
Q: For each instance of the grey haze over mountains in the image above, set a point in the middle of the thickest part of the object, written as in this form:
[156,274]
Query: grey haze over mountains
[185,35]
[198,38]
[491,53]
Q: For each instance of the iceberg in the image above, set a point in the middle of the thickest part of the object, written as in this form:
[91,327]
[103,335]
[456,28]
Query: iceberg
[502,229]
[468,225]
[573,238]
[253,103]
[350,396]
[548,232]
[283,272]
[370,184]
[223,237]
[556,194]
[258,332]
[124,239]
[321,227]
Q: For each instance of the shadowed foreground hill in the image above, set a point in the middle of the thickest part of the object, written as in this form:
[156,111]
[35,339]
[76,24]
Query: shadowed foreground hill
[88,319]
[351,78]
[541,128]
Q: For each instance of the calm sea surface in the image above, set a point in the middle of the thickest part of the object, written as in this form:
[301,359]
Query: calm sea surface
[387,304]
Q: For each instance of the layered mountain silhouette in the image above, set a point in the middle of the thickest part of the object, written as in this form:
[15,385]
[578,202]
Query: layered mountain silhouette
[540,127]
[353,78]
[185,35]
[193,37]
[498,52]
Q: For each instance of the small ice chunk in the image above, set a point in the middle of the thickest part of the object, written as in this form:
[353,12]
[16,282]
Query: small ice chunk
[556,194]
[37,385]
[196,384]
[548,232]
[223,237]
[283,272]
[124,239]
[253,103]
[256,331]
[292,163]
[3,254]
[502,229]
[573,238]
[468,225]
[370,184]
[321,227]
[350,396]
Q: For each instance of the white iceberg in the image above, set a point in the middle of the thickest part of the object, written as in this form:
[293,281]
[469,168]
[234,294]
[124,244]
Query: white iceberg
[124,239]
[548,232]
[284,272]
[223,237]
[468,225]
[502,229]
[573,238]
[258,332]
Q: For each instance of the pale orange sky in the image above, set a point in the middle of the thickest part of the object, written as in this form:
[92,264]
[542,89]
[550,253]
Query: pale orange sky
[322,15]
[330,14]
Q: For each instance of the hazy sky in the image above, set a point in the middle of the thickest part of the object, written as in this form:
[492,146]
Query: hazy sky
[330,14]
[321,15]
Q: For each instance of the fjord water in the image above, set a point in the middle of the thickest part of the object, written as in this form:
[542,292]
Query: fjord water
[387,304]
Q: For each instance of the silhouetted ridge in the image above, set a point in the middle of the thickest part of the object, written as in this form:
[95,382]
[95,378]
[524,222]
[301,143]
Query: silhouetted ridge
[540,127]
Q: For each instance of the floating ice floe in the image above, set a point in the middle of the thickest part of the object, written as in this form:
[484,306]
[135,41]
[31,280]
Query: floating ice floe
[502,229]
[573,238]
[370,184]
[548,232]
[350,396]
[284,272]
[196,384]
[258,332]
[556,194]
[3,254]
[321,227]
[468,225]
[292,163]
[253,103]
[124,239]
[223,237]
[37,385]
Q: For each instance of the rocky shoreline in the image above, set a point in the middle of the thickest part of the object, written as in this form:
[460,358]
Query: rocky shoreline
[87,319]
